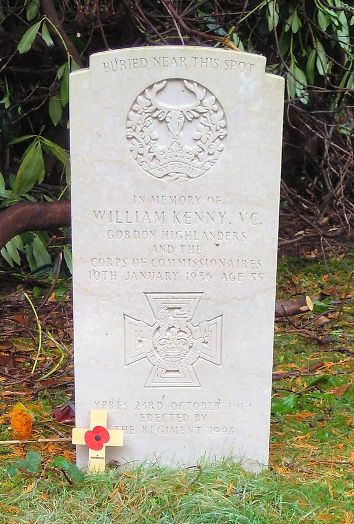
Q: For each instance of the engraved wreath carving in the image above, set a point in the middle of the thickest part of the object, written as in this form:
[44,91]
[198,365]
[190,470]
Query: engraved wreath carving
[176,129]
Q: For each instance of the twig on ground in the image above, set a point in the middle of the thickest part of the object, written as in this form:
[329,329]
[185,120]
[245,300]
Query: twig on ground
[39,441]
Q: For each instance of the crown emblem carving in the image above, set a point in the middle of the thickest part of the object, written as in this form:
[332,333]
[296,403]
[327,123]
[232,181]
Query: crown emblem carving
[176,129]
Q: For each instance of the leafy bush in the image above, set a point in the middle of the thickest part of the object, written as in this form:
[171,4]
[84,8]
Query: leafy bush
[309,43]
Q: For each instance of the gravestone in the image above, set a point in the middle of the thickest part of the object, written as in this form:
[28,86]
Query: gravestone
[175,192]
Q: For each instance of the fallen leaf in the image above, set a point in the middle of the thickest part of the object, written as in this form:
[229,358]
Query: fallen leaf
[316,366]
[339,392]
[303,415]
[21,421]
[347,518]
[320,321]
[20,319]
[230,489]
[22,346]
[7,361]
[15,393]
[330,489]
[65,414]
[52,298]
[303,445]
[5,346]
[30,487]
[309,303]
[9,509]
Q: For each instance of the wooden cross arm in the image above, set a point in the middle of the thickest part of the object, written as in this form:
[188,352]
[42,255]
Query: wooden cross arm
[78,436]
[98,417]
[115,437]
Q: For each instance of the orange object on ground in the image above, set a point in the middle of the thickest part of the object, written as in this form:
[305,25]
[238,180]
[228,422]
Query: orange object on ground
[21,421]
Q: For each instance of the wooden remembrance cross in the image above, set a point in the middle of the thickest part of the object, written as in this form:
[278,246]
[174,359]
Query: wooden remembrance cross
[96,439]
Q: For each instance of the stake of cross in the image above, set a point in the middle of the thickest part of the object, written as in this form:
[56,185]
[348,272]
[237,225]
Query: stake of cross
[96,439]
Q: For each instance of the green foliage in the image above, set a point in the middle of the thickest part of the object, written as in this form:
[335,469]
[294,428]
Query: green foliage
[284,405]
[309,43]
[32,9]
[72,472]
[28,38]
[46,36]
[31,170]
[33,247]
[32,464]
[55,109]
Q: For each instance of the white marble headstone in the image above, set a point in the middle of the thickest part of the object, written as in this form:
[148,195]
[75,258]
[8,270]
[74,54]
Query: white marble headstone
[175,193]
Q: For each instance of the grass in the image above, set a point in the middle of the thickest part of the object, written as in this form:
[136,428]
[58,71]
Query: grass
[310,479]
[215,494]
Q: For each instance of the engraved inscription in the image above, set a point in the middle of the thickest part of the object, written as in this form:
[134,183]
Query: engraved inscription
[176,129]
[234,65]
[179,417]
[173,344]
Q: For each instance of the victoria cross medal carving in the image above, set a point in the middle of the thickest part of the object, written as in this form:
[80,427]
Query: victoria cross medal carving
[176,129]
[173,343]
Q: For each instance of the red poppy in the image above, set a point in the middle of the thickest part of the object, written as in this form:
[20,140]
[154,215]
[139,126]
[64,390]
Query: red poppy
[96,438]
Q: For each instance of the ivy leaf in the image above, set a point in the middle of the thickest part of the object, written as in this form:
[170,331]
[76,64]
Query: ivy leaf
[33,461]
[61,463]
[27,40]
[75,474]
[46,35]
[32,10]
[31,169]
[284,405]
[72,471]
[11,470]
[55,110]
